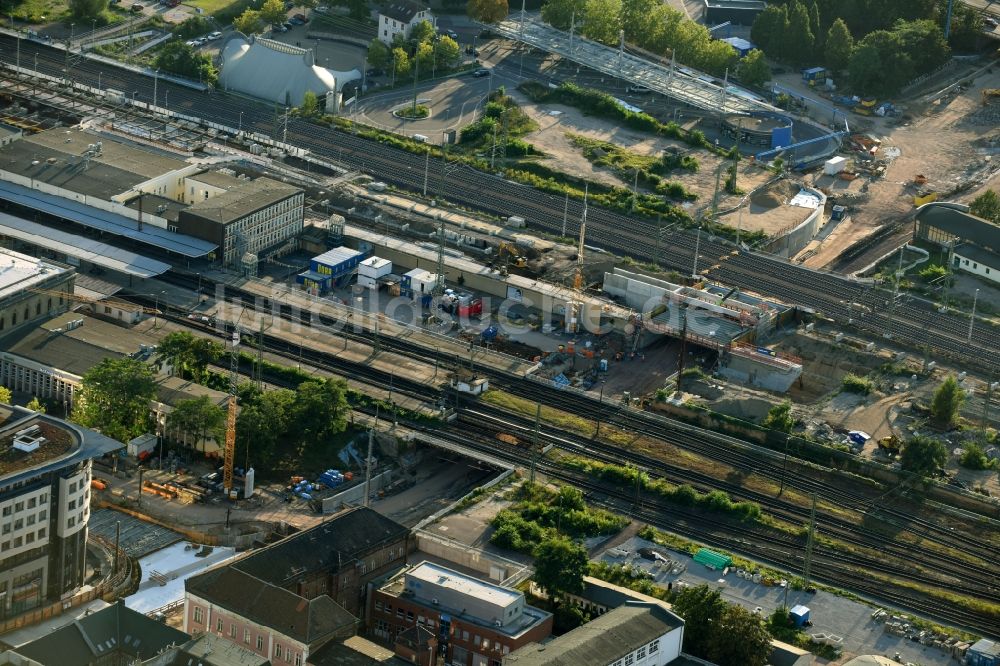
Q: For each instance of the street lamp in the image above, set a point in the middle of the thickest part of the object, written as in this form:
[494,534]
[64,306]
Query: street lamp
[166,98]
[972,317]
[239,132]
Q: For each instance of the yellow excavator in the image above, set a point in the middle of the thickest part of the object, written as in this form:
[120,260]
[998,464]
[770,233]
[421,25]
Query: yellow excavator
[508,253]
[989,94]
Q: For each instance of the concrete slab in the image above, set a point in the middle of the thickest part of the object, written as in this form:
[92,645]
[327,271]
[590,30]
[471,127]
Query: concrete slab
[164,573]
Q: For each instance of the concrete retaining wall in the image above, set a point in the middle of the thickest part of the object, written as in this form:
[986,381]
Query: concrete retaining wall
[794,241]
[356,494]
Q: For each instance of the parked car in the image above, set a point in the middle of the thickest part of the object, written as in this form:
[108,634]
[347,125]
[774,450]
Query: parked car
[322,9]
[288,25]
[471,51]
[193,43]
[277,27]
[453,35]
[990,22]
[136,8]
[479,73]
[637,90]
[296,21]
[212,36]
[300,17]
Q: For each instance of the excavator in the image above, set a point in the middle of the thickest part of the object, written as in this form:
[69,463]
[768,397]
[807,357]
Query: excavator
[508,253]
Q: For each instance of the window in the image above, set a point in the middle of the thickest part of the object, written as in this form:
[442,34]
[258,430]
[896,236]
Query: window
[71,522]
[298,660]
[476,639]
[29,537]
[41,533]
[5,546]
[19,507]
[42,515]
[465,635]
[277,651]
[629,659]
[409,616]
[618,663]
[654,646]
[6,528]
[378,605]
[641,653]
[388,607]
[198,615]
[31,502]
[17,542]
[260,642]
[72,487]
[218,625]
[6,511]
[19,523]
[43,498]
[246,635]
[232,630]
[288,654]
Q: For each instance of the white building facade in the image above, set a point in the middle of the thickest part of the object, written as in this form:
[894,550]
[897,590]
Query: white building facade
[400,17]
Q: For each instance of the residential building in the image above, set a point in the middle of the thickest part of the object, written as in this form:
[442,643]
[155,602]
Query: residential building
[208,650]
[638,633]
[972,243]
[399,17]
[31,289]
[115,635]
[293,597]
[45,467]
[976,260]
[242,216]
[355,651]
[476,622]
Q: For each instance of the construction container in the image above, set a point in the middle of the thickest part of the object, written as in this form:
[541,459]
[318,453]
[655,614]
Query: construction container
[834,165]
[839,213]
[371,269]
[814,75]
[799,615]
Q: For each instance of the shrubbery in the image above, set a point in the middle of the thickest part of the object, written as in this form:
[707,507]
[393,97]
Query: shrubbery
[853,383]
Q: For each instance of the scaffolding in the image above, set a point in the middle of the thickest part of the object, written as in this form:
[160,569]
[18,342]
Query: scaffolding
[684,84]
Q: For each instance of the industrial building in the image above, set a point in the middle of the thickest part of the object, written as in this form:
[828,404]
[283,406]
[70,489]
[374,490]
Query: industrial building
[331,269]
[45,469]
[740,12]
[972,243]
[643,633]
[759,129]
[473,621]
[983,653]
[372,270]
[31,289]
[400,17]
[278,72]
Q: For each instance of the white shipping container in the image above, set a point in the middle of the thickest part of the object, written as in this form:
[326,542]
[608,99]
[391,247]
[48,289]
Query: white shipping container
[834,165]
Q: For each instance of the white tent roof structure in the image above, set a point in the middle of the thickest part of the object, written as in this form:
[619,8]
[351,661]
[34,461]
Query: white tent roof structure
[275,71]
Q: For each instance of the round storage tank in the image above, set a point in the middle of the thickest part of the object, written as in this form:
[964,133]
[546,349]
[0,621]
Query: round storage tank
[759,130]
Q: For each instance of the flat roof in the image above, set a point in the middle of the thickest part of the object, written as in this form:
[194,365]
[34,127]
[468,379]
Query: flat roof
[237,201]
[154,204]
[19,272]
[102,220]
[131,158]
[80,247]
[216,179]
[434,574]
[978,254]
[336,256]
[376,262]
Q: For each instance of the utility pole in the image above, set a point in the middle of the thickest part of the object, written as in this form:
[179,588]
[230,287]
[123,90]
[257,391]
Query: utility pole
[368,462]
[439,278]
[259,374]
[972,317]
[697,249]
[156,80]
[284,134]
[118,537]
[427,166]
[535,451]
[682,311]
[565,214]
[895,294]
[416,76]
[809,541]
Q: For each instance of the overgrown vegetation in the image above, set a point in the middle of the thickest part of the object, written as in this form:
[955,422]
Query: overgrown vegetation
[852,383]
[643,169]
[684,495]
[502,121]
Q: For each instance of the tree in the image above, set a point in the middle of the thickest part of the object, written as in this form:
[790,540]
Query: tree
[701,607]
[179,58]
[602,20]
[487,11]
[924,43]
[190,356]
[865,69]
[195,26]
[560,565]
[947,401]
[769,29]
[249,22]
[780,417]
[319,412]
[639,20]
[36,405]
[5,395]
[263,424]
[422,32]
[310,105]
[838,48]
[986,206]
[559,13]
[739,639]
[424,54]
[400,61]
[198,418]
[814,24]
[87,9]
[378,54]
[447,53]
[923,455]
[114,397]
[273,11]
[799,38]
[973,457]
[753,69]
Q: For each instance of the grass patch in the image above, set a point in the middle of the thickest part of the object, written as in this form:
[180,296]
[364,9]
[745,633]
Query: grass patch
[853,383]
[213,7]
[414,112]
[642,168]
[33,11]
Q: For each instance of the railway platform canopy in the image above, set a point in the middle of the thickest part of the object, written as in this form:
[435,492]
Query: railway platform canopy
[81,248]
[681,83]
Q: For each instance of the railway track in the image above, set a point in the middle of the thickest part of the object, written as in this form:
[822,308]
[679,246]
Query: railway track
[962,576]
[917,323]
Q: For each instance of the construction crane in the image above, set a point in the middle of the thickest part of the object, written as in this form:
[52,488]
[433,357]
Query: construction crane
[229,452]
[578,278]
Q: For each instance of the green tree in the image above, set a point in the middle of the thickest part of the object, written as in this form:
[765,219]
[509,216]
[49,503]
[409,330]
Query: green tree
[310,105]
[87,9]
[815,25]
[839,46]
[986,206]
[701,607]
[923,455]
[799,38]
[195,26]
[319,412]
[36,405]
[198,418]
[263,424]
[447,53]
[769,30]
[947,401]
[487,11]
[780,417]
[966,26]
[753,69]
[923,41]
[559,13]
[378,54]
[639,20]
[179,58]
[560,565]
[973,457]
[189,355]
[739,639]
[422,32]
[400,61]
[602,20]
[865,69]
[114,398]
[273,12]
[249,22]
[424,54]
[5,395]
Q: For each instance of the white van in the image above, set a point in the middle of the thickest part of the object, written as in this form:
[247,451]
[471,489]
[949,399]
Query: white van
[420,137]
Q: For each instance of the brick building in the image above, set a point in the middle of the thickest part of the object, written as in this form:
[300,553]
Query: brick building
[475,622]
